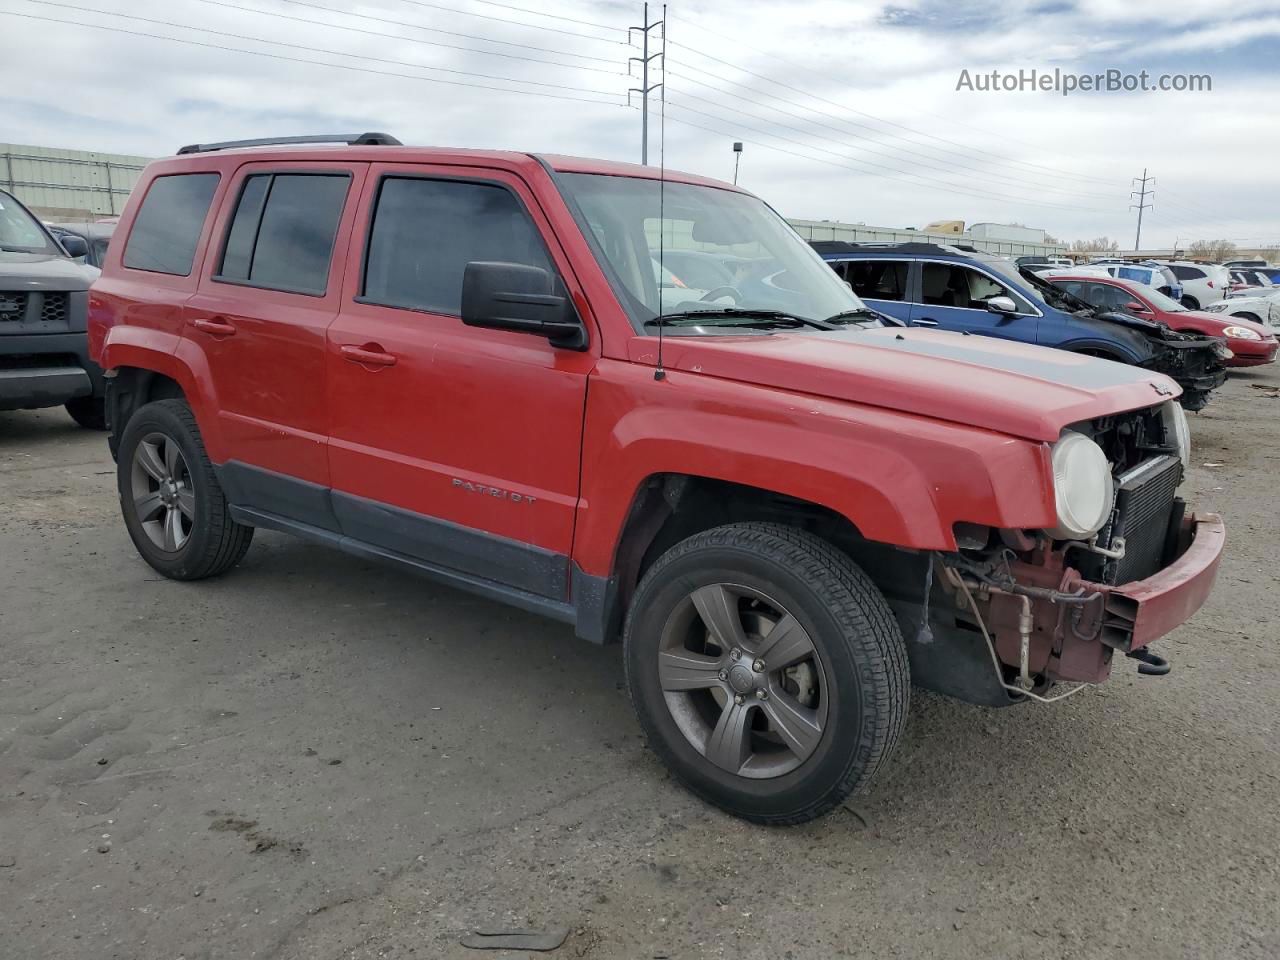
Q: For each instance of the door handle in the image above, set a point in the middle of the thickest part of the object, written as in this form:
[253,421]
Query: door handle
[367,355]
[214,327]
[924,322]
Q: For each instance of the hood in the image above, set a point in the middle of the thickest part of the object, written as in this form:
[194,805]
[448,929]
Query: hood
[1017,389]
[43,271]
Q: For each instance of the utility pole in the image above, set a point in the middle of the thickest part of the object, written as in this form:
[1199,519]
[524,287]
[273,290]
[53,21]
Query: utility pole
[645,87]
[737,156]
[1141,205]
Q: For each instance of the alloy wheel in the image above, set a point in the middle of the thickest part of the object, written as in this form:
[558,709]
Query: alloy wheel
[163,494]
[743,681]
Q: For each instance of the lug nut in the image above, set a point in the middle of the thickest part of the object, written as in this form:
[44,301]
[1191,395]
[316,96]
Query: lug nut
[735,653]
[739,699]
[762,694]
[723,675]
[758,666]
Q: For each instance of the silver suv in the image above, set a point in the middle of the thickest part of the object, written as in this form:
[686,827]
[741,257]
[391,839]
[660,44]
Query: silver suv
[44,305]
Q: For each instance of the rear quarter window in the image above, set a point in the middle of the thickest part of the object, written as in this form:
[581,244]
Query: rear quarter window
[166,230]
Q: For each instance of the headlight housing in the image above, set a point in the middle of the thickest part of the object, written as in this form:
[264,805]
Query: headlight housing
[1242,333]
[1177,429]
[1082,487]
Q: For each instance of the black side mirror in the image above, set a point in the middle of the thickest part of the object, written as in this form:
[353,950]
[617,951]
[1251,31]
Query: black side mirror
[75,246]
[513,296]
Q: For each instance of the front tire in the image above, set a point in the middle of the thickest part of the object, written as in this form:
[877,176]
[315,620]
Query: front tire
[1248,316]
[766,670]
[89,412]
[173,506]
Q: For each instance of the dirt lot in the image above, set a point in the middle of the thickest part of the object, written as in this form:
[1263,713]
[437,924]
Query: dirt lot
[317,758]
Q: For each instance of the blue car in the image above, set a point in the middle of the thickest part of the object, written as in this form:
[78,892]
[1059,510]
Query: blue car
[965,290]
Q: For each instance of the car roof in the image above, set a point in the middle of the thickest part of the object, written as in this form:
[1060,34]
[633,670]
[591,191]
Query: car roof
[198,156]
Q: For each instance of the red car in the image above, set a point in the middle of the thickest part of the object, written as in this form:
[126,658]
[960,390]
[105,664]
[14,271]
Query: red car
[470,365]
[1251,343]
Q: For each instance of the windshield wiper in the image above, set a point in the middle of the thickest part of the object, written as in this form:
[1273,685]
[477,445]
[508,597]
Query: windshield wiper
[735,316]
[849,316]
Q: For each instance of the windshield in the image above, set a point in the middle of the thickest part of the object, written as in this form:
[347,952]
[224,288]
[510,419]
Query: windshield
[708,249]
[19,231]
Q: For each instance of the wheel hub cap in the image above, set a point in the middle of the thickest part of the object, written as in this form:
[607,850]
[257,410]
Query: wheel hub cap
[743,681]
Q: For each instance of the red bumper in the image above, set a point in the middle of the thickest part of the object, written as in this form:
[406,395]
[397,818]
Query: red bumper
[1146,610]
[1252,353]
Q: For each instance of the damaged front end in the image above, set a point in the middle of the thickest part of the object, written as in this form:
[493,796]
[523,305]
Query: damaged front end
[1195,361]
[1014,613]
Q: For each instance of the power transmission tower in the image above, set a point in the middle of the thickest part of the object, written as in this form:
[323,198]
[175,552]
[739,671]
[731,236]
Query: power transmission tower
[1141,205]
[645,87]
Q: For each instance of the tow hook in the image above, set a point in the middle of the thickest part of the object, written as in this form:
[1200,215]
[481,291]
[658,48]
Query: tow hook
[1151,665]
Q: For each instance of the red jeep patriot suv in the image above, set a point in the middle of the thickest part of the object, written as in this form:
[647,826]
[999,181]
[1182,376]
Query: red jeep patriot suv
[642,405]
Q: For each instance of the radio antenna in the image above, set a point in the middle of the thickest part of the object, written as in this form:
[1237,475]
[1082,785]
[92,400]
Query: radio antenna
[661,372]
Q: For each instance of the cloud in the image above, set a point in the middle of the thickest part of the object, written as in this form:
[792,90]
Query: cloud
[848,109]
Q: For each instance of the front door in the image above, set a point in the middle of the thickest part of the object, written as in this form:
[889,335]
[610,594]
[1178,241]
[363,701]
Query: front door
[953,296]
[449,444]
[258,322]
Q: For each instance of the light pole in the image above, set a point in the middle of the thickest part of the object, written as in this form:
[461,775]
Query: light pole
[737,156]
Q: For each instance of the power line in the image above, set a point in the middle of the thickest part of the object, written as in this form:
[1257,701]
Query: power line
[531,26]
[405,23]
[919,180]
[792,64]
[977,153]
[541,13]
[322,63]
[894,155]
[285,16]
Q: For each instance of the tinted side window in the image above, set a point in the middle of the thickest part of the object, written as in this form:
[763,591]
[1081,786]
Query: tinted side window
[425,232]
[283,231]
[1187,273]
[878,279]
[167,227]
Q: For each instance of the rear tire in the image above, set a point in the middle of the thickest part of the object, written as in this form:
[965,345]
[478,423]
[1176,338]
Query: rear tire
[1253,317]
[89,412]
[1191,303]
[804,714]
[173,506]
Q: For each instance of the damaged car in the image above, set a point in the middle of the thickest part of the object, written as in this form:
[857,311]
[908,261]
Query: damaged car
[929,285]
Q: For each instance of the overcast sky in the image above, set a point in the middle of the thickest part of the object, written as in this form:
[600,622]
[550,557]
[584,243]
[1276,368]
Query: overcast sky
[848,110]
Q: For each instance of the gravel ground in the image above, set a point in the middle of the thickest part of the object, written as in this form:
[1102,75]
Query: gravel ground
[316,758]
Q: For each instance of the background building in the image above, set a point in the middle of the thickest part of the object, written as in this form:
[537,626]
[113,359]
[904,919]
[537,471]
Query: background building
[68,184]
[1010,241]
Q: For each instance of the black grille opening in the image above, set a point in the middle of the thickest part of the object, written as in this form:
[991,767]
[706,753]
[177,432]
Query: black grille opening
[54,308]
[13,306]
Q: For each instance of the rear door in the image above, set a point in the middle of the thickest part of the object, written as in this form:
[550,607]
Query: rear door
[880,284]
[953,296]
[454,445]
[269,291]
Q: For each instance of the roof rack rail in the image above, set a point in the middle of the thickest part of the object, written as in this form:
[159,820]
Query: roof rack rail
[912,246]
[351,139]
